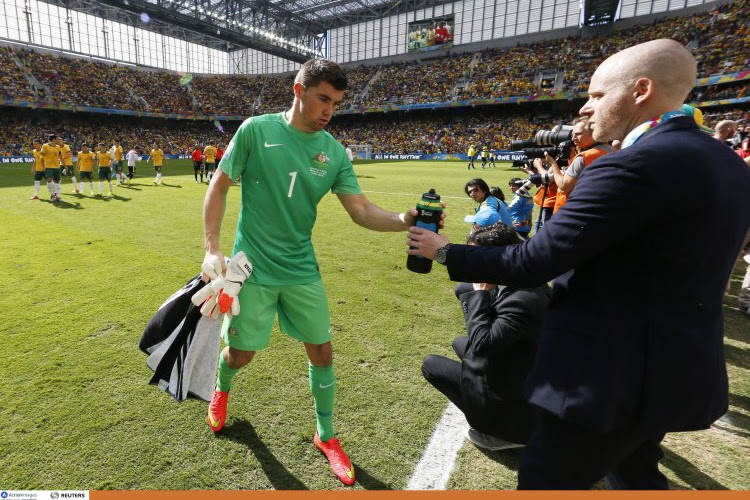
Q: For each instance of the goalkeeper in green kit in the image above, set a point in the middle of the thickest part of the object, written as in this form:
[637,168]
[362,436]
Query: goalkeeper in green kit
[287,163]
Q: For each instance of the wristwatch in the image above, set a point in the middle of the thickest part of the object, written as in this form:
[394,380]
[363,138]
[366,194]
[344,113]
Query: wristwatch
[442,254]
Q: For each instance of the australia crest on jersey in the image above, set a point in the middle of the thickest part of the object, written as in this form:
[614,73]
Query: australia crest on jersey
[320,160]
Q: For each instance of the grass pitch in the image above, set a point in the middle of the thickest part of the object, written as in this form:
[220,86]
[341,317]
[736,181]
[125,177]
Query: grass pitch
[83,278]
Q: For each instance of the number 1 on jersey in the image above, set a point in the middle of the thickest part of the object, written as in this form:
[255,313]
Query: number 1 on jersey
[293,175]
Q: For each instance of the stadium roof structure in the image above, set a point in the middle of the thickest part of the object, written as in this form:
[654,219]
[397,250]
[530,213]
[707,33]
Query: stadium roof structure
[292,29]
[599,12]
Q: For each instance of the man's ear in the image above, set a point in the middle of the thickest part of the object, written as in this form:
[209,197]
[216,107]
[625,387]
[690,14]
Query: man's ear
[298,88]
[643,89]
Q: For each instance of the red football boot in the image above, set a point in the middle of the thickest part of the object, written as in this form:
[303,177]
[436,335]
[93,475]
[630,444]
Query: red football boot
[337,458]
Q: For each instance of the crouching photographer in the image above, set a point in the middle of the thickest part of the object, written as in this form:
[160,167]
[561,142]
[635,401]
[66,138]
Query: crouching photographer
[502,327]
[588,151]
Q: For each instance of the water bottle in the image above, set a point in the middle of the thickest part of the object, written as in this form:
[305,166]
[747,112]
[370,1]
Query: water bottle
[429,210]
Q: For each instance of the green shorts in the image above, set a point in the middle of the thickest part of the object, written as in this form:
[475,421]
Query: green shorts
[38,175]
[105,173]
[118,165]
[52,173]
[302,309]
[210,167]
[157,169]
[85,174]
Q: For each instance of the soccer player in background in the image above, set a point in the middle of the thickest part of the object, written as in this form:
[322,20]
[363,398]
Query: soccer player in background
[67,160]
[157,157]
[288,163]
[52,158]
[210,153]
[86,168]
[118,159]
[37,168]
[132,158]
[112,155]
[471,153]
[197,157]
[104,160]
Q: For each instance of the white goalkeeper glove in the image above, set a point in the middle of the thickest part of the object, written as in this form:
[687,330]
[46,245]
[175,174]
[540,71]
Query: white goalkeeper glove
[206,297]
[238,270]
[212,266]
[220,295]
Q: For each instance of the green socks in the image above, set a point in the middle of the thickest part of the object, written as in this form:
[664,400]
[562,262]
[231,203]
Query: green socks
[226,374]
[323,387]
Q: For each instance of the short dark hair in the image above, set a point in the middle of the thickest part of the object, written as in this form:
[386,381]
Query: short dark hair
[315,71]
[497,193]
[494,235]
[84,145]
[514,180]
[51,137]
[478,182]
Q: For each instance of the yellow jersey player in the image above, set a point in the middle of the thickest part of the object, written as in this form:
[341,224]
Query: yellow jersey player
[68,169]
[51,156]
[37,168]
[86,168]
[118,161]
[210,153]
[104,160]
[157,156]
[471,153]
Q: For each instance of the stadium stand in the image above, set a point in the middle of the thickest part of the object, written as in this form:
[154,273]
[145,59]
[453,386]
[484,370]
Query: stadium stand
[177,137]
[719,39]
[13,83]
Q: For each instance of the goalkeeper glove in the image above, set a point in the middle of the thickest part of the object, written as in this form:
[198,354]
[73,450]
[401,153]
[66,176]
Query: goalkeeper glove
[220,295]
[206,297]
[212,265]
[238,270]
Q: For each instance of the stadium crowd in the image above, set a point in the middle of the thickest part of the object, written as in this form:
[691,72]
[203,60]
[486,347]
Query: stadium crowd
[715,92]
[177,137]
[13,82]
[425,132]
[719,40]
[433,132]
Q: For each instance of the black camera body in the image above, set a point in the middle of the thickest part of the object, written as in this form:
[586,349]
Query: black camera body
[556,143]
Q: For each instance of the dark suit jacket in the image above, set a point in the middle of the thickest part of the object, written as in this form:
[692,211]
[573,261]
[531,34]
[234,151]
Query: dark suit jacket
[503,327]
[641,254]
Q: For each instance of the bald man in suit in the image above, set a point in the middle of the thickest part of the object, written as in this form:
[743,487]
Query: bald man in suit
[632,345]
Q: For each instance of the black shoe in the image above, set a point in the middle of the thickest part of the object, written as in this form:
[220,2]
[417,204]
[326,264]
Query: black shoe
[488,442]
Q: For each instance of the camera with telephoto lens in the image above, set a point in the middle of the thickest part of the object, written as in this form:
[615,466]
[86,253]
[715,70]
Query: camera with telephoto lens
[558,134]
[561,146]
[556,143]
[534,180]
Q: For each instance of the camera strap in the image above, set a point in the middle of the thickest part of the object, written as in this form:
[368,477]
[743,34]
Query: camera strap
[641,130]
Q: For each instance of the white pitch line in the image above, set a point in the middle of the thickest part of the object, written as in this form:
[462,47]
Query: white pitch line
[412,195]
[435,467]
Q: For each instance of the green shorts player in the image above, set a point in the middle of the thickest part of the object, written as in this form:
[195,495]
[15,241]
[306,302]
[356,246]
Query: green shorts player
[287,163]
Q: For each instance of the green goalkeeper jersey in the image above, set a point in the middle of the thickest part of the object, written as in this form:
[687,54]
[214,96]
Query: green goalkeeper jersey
[285,172]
